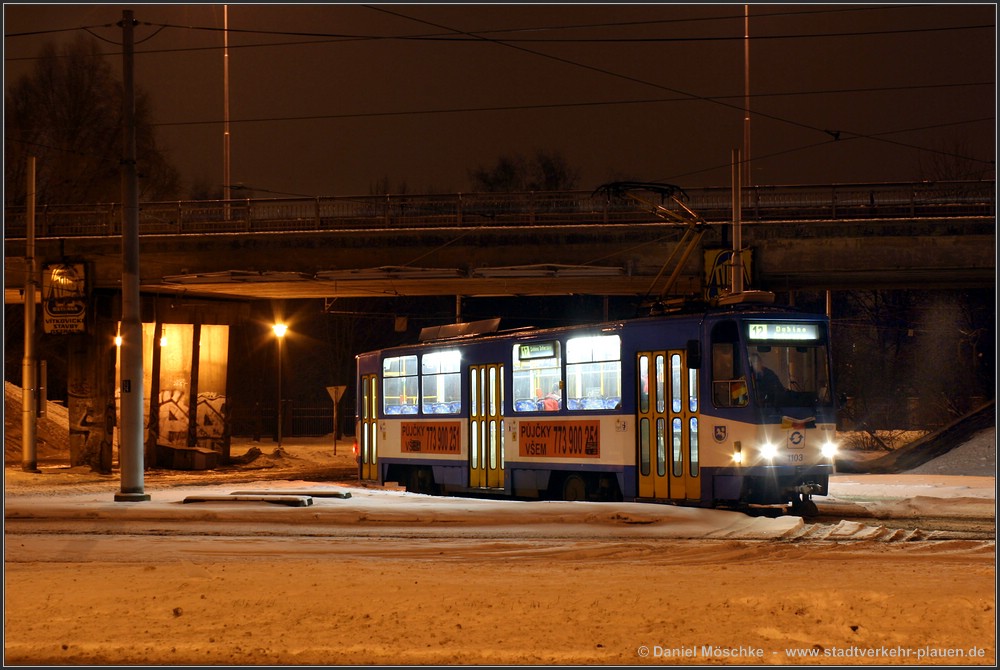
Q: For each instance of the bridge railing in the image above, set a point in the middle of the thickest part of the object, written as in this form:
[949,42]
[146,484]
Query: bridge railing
[760,204]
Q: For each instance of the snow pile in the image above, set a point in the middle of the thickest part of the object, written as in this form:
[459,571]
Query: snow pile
[977,457]
[51,431]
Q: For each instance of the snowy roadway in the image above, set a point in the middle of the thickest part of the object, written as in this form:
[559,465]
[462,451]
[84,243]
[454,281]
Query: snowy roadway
[299,507]
[387,577]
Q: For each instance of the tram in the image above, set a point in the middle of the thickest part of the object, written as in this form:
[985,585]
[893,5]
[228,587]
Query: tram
[728,405]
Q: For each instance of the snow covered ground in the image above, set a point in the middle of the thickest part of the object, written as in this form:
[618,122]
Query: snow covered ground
[391,578]
[385,577]
[898,496]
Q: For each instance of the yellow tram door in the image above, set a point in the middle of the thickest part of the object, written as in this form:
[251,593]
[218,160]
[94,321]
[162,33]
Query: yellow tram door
[486,461]
[651,422]
[368,434]
[667,426]
[683,411]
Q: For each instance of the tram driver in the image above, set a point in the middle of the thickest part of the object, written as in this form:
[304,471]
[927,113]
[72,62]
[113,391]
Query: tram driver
[769,386]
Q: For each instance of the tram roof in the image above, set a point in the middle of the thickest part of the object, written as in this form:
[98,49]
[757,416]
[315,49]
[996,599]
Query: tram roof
[489,329]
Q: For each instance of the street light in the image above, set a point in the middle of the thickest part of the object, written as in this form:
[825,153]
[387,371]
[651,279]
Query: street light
[279,332]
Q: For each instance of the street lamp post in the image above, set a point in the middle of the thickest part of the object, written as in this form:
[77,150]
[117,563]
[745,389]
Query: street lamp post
[279,332]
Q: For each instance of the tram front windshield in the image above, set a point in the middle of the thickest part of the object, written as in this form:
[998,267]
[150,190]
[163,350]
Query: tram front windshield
[788,365]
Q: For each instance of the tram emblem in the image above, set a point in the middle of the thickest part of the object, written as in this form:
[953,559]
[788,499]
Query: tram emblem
[720,433]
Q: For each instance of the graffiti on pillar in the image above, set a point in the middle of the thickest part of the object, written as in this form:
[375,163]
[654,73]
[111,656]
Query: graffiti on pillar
[211,420]
[173,424]
[181,394]
[175,412]
[92,416]
[81,426]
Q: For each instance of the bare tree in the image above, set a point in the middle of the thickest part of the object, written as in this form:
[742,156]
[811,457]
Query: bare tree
[383,186]
[914,359]
[946,373]
[957,163]
[545,171]
[871,354]
[203,189]
[68,114]
[934,376]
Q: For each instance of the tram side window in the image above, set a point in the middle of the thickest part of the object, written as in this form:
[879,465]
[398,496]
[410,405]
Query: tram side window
[537,376]
[399,385]
[729,385]
[594,372]
[442,382]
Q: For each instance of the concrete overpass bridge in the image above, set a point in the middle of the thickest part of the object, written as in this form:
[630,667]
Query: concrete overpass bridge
[222,256]
[821,237]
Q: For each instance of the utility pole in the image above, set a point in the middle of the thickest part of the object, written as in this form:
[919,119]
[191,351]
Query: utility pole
[226,175]
[130,442]
[746,96]
[29,367]
[736,269]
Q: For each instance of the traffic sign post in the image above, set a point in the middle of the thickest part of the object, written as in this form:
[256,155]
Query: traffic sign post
[336,392]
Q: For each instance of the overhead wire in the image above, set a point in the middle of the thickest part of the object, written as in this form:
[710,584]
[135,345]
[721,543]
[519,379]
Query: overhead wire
[471,37]
[835,134]
[475,36]
[480,36]
[792,150]
[556,105]
[605,24]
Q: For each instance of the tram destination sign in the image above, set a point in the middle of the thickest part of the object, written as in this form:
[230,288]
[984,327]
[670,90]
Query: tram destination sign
[782,331]
[537,350]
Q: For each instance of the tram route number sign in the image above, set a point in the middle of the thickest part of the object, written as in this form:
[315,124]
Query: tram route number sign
[559,439]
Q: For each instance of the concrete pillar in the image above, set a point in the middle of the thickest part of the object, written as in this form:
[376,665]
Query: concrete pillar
[91,396]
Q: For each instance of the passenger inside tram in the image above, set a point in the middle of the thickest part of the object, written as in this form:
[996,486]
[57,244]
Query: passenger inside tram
[552,401]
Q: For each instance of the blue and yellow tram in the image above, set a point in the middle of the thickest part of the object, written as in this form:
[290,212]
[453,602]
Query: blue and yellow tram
[727,406]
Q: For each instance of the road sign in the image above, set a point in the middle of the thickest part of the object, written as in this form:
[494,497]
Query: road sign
[336,392]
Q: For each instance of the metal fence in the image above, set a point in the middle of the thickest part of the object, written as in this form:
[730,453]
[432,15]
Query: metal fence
[298,421]
[954,199]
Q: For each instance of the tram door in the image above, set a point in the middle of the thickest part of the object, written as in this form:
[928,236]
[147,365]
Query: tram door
[368,437]
[667,426]
[486,462]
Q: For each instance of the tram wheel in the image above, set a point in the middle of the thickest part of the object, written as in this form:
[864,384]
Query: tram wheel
[574,488]
[421,481]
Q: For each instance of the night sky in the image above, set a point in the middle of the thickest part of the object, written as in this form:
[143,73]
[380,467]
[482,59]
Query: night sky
[336,99]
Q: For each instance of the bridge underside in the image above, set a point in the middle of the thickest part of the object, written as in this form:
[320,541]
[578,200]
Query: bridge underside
[378,282]
[634,260]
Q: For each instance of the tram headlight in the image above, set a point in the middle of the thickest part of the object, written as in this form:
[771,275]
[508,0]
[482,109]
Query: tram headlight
[737,452]
[768,450]
[829,449]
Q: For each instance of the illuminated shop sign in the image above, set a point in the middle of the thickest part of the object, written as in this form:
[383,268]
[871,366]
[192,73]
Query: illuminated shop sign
[64,298]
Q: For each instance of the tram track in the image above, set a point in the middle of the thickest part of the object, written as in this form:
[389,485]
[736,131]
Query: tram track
[966,526]
[834,514]
[823,528]
[942,527]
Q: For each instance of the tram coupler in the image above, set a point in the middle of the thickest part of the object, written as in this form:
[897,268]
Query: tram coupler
[802,504]
[807,490]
